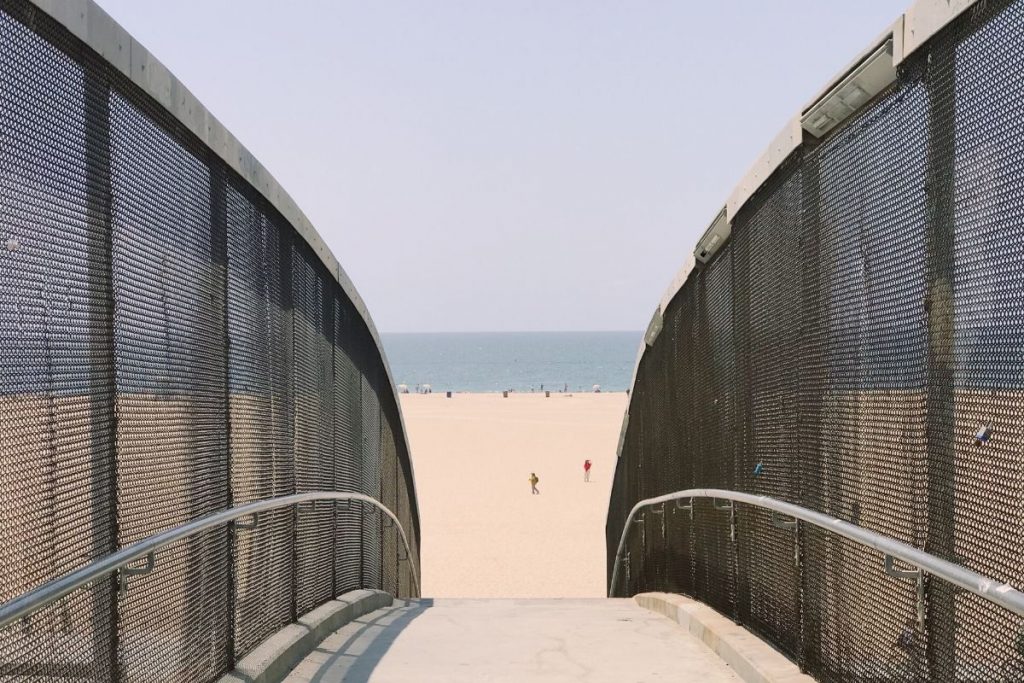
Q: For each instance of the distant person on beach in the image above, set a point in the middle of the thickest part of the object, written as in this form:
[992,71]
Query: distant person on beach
[586,470]
[533,483]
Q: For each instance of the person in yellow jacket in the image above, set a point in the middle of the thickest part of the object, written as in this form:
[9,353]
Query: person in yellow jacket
[533,483]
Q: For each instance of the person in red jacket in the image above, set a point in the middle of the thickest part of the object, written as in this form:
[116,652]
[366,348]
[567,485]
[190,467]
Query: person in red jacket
[586,470]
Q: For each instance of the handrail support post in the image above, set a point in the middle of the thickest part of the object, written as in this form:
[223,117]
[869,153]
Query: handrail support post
[779,521]
[124,572]
[728,505]
[247,526]
[660,510]
[916,575]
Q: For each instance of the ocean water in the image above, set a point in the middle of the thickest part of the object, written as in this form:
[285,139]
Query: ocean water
[520,361]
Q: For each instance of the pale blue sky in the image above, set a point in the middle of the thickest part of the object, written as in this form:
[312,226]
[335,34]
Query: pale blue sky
[507,164]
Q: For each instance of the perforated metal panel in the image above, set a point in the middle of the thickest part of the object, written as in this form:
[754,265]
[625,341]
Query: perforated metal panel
[170,347]
[371,485]
[714,430]
[170,351]
[56,367]
[978,94]
[389,496]
[767,344]
[261,417]
[680,320]
[314,429]
[865,381]
[875,337]
[348,420]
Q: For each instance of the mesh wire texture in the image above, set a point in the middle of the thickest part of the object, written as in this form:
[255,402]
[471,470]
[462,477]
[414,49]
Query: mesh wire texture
[843,351]
[171,347]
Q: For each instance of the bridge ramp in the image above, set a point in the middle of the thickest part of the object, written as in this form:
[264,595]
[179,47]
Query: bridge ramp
[549,640]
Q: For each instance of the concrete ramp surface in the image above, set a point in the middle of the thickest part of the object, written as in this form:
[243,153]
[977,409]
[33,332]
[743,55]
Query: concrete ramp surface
[593,640]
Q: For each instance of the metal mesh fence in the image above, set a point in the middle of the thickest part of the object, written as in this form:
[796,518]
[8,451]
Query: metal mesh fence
[261,418]
[57,376]
[844,351]
[767,351]
[169,347]
[313,383]
[348,420]
[371,485]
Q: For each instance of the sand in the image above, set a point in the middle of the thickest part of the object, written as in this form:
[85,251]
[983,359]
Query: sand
[484,535]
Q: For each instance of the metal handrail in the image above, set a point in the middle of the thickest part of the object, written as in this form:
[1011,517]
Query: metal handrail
[992,590]
[52,591]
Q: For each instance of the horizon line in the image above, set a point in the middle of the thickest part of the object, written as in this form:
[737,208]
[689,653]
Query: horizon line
[511,332]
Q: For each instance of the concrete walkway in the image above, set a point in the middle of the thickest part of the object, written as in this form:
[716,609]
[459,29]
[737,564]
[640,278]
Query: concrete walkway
[592,640]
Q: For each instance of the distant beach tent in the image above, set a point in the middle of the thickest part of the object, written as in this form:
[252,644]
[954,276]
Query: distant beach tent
[427,389]
[597,388]
[403,388]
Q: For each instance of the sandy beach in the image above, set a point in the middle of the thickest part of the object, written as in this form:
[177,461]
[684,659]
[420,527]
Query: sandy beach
[484,534]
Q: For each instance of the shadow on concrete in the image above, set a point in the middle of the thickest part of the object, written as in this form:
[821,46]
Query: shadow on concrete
[353,659]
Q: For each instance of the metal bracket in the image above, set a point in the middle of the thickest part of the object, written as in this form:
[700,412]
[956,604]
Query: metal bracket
[916,575]
[688,506]
[124,572]
[732,516]
[247,526]
[892,570]
[780,522]
[658,510]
